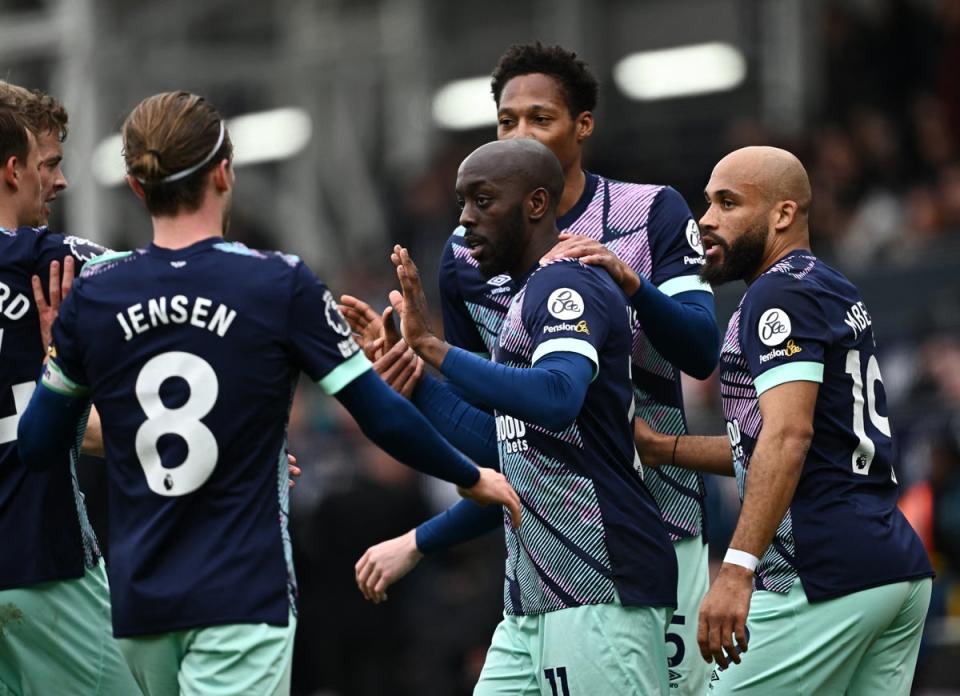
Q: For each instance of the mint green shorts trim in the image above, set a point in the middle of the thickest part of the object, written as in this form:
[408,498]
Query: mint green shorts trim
[686,670]
[230,660]
[596,650]
[58,635]
[861,644]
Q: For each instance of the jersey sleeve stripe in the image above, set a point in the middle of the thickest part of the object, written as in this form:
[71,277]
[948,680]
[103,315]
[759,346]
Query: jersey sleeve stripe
[567,345]
[344,373]
[54,380]
[794,372]
[686,283]
[109,256]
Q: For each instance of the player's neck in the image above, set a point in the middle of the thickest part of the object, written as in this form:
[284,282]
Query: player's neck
[8,216]
[180,231]
[540,243]
[778,251]
[574,182]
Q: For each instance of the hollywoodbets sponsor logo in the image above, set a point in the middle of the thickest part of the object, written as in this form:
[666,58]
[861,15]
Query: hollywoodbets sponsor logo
[788,351]
[511,434]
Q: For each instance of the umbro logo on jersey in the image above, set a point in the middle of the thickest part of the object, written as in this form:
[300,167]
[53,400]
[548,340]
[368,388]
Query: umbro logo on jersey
[673,675]
[178,264]
[499,280]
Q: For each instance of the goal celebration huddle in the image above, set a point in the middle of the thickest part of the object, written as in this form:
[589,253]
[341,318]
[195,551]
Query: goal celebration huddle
[550,397]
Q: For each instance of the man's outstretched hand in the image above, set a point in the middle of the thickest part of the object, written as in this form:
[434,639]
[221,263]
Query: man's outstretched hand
[401,368]
[58,288]
[411,305]
[375,333]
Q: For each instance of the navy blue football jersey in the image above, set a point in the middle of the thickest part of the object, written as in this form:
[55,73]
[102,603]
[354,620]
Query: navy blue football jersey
[591,532]
[44,532]
[802,320]
[652,230]
[191,357]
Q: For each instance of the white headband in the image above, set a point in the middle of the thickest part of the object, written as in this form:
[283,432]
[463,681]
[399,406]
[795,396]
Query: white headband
[176,176]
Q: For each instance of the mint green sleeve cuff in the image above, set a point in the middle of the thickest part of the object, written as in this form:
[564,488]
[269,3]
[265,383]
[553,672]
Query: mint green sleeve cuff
[567,345]
[344,373]
[686,283]
[56,381]
[793,372]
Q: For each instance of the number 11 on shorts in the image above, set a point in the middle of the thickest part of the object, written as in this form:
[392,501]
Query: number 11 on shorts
[557,675]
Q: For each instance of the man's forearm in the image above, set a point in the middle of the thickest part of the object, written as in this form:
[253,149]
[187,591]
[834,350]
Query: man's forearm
[466,427]
[549,394]
[432,349]
[707,454]
[48,426]
[93,435]
[771,481]
[458,524]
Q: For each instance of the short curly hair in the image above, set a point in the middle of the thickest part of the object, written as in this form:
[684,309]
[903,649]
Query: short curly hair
[580,86]
[42,112]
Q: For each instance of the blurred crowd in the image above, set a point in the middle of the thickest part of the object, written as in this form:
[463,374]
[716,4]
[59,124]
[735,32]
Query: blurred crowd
[886,159]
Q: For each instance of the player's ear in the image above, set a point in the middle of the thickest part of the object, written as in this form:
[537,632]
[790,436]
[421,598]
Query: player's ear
[784,213]
[10,173]
[135,187]
[223,176]
[584,125]
[538,203]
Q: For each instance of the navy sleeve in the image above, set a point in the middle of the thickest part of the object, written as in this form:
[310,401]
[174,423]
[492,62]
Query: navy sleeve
[675,246]
[456,525]
[550,394]
[682,328]
[48,426]
[394,425]
[468,428]
[783,332]
[65,371]
[320,338]
[459,328]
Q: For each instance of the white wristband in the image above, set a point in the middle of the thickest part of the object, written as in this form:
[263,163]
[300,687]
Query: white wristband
[742,559]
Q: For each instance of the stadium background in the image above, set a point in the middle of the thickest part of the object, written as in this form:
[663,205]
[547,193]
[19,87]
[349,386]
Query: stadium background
[352,132]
